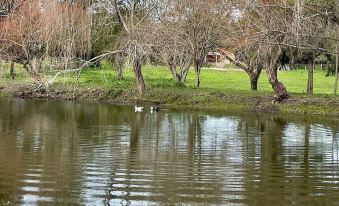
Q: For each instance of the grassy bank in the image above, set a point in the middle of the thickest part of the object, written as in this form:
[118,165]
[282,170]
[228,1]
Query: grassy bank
[212,80]
[227,89]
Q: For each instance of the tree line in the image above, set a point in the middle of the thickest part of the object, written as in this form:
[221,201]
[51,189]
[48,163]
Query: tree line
[68,35]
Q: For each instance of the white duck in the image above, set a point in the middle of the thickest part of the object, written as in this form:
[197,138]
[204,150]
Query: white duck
[138,109]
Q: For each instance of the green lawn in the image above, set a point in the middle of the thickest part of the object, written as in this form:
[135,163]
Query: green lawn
[225,81]
[211,80]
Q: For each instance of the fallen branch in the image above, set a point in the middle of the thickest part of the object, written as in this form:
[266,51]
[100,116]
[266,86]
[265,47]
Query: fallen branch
[86,63]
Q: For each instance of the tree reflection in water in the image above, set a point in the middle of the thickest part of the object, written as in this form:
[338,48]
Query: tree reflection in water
[108,155]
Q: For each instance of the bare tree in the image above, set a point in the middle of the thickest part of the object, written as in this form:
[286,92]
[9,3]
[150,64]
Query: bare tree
[243,50]
[252,67]
[258,26]
[200,29]
[34,31]
[178,61]
[306,33]
[71,34]
[6,8]
[173,51]
[135,17]
[329,11]
[21,39]
[276,26]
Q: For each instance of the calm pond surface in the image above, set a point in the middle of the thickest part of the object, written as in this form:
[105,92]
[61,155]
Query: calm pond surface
[64,153]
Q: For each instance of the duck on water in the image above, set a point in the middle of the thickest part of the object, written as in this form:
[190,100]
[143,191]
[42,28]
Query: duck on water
[138,109]
[141,109]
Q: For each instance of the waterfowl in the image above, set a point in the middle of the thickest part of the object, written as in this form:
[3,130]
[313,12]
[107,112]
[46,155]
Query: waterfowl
[138,109]
[155,109]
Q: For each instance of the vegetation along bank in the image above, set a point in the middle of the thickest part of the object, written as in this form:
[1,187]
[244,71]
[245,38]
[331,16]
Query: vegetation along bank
[224,89]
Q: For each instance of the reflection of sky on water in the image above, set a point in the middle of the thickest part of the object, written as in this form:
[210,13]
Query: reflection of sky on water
[293,135]
[221,133]
[28,200]
[318,136]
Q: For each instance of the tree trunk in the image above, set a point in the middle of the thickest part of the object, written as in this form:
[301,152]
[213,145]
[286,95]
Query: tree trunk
[197,70]
[183,75]
[336,72]
[176,77]
[278,87]
[310,78]
[120,73]
[33,68]
[11,71]
[138,76]
[197,79]
[309,58]
[179,77]
[254,81]
[120,65]
[2,66]
[254,75]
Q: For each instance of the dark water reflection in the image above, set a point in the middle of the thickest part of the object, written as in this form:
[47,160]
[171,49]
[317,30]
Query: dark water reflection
[91,154]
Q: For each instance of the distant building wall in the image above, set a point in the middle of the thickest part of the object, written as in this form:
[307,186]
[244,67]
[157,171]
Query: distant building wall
[217,57]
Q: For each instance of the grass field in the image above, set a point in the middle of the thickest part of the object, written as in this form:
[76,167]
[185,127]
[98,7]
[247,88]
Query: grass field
[228,81]
[212,80]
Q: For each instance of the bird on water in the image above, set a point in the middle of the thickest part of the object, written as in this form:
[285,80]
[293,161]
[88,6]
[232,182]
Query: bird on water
[155,108]
[138,109]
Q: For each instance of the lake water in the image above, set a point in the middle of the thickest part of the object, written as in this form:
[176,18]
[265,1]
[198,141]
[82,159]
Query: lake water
[64,153]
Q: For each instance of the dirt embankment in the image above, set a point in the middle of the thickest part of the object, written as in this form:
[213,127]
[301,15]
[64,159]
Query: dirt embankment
[297,104]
